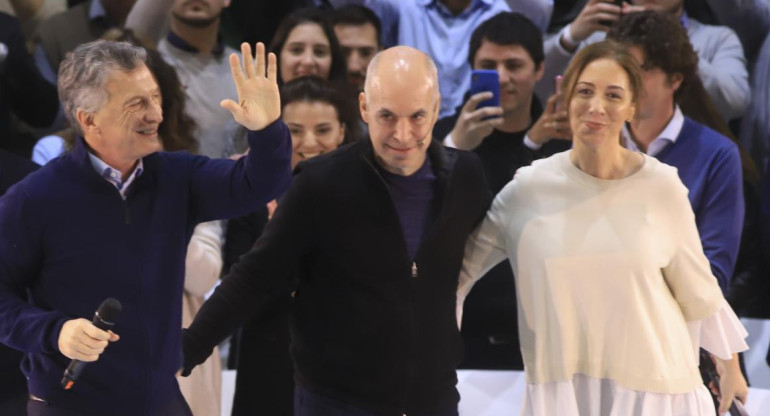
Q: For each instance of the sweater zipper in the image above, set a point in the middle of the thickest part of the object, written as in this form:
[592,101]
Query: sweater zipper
[413,272]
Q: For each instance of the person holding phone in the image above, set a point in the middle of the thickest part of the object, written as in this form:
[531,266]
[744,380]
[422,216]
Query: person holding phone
[505,136]
[440,28]
[505,52]
[616,294]
[721,61]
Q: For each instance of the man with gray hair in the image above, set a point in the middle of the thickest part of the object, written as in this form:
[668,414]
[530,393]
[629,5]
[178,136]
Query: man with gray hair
[373,236]
[112,218]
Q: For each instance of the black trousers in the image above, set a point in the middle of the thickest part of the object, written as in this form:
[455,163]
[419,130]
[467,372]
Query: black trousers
[15,406]
[264,383]
[308,403]
[177,407]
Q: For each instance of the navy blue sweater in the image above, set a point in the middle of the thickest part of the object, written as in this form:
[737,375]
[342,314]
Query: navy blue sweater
[709,165]
[69,241]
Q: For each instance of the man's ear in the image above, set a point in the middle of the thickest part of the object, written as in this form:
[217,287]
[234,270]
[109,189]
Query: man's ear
[436,110]
[362,107]
[342,134]
[675,80]
[225,4]
[539,71]
[85,120]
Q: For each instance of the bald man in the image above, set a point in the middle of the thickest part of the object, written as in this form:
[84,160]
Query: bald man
[372,236]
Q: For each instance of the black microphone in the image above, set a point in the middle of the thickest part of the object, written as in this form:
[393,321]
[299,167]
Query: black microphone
[104,319]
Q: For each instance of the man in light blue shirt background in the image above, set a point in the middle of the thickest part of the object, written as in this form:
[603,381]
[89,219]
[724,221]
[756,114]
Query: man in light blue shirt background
[441,28]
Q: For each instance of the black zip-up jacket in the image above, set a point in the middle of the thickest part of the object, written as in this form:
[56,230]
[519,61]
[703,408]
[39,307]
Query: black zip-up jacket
[370,326]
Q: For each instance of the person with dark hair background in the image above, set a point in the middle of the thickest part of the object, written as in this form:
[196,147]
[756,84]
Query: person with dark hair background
[305,44]
[359,32]
[720,59]
[670,124]
[505,138]
[678,124]
[441,29]
[318,117]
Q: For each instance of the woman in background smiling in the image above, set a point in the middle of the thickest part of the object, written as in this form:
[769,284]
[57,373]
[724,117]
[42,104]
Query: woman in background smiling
[318,117]
[305,45]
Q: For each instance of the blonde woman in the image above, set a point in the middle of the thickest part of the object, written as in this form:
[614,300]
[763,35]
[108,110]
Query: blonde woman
[615,293]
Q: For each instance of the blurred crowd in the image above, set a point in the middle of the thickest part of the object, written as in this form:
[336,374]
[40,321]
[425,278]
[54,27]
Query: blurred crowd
[705,109]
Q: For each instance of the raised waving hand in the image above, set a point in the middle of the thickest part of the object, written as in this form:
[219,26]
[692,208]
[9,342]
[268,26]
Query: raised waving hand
[259,102]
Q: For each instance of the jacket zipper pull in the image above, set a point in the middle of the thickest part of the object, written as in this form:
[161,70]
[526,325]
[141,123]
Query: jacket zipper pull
[414,269]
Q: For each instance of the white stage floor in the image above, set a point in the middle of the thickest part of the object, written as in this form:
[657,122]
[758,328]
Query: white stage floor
[499,393]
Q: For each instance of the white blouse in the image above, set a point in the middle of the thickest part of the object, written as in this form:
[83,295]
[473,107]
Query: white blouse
[721,334]
[614,291]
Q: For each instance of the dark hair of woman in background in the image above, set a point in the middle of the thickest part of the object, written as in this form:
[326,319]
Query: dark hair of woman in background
[305,44]
[310,95]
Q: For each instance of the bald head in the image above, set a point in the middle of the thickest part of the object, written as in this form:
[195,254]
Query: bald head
[401,67]
[400,104]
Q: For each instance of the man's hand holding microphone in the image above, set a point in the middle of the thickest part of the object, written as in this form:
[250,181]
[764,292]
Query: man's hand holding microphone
[84,341]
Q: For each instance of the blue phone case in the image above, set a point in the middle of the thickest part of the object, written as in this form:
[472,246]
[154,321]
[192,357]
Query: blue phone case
[486,80]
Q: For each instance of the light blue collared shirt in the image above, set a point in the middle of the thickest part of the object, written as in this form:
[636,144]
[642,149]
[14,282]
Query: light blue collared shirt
[96,10]
[113,175]
[666,138]
[430,27]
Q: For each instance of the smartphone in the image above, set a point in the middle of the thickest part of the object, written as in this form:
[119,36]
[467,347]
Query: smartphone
[557,88]
[618,3]
[486,80]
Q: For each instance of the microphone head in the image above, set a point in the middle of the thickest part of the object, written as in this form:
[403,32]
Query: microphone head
[109,310]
